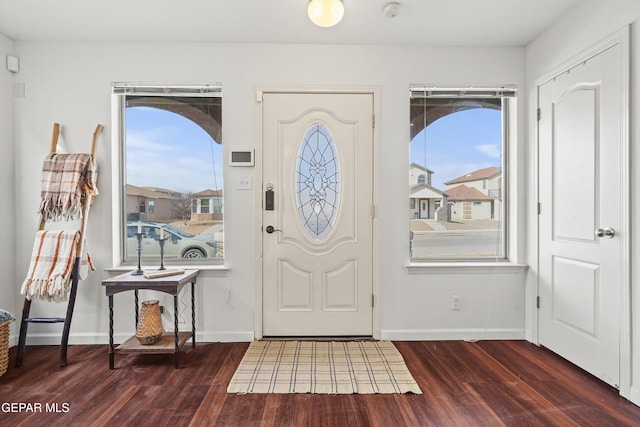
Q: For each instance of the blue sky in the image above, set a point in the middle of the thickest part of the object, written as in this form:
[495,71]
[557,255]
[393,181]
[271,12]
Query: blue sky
[458,144]
[169,151]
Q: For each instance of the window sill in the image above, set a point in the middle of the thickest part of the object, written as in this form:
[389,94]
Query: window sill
[464,268]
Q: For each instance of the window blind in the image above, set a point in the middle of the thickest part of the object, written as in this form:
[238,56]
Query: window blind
[430,91]
[167,89]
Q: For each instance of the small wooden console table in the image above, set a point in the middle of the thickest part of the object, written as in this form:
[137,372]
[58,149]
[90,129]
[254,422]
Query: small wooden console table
[169,284]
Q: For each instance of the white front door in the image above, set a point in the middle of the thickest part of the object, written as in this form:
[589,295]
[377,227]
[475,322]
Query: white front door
[424,209]
[580,221]
[318,232]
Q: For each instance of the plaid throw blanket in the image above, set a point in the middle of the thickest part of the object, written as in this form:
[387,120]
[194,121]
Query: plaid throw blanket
[52,259]
[66,179]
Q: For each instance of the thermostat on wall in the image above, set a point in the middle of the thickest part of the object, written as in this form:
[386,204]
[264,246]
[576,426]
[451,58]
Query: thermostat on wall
[241,158]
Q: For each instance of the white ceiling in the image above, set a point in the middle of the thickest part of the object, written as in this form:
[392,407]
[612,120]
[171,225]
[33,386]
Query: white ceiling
[420,22]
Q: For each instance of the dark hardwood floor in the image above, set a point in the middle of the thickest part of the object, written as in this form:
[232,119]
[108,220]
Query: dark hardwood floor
[487,383]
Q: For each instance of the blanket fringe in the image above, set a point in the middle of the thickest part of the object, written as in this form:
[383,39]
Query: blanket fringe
[54,289]
[59,208]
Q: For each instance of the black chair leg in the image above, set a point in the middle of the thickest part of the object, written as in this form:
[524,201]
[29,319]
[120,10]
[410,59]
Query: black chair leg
[70,305]
[22,341]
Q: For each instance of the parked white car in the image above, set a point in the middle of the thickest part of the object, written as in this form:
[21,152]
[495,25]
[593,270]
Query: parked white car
[179,243]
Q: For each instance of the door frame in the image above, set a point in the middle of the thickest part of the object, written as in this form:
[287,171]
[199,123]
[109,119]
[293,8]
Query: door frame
[620,38]
[259,90]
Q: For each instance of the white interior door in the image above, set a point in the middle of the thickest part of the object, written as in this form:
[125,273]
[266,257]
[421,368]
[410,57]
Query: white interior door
[317,257]
[580,222]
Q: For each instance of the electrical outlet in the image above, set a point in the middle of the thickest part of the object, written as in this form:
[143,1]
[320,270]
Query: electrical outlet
[456,302]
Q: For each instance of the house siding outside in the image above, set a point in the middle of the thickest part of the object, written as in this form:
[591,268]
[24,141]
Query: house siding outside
[476,195]
[424,199]
[207,206]
[150,203]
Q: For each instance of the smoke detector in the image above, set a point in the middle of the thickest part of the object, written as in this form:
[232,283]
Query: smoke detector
[391,10]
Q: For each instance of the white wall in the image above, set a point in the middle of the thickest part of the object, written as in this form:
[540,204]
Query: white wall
[581,28]
[8,300]
[70,83]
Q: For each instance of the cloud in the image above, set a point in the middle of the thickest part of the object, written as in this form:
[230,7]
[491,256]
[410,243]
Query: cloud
[174,166]
[489,150]
[146,142]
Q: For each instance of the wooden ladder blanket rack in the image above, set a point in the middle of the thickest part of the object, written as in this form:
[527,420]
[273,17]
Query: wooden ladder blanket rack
[75,274]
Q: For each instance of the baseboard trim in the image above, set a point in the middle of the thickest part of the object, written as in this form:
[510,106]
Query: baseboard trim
[452,334]
[634,396]
[102,338]
[248,336]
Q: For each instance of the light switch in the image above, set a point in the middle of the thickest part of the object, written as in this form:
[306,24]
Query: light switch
[244,182]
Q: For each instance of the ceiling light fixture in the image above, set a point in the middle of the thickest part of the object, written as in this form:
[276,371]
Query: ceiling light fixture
[391,10]
[325,13]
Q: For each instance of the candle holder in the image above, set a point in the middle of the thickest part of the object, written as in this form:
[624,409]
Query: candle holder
[139,271]
[161,242]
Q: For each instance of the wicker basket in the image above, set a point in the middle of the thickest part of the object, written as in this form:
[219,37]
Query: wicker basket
[4,346]
[150,328]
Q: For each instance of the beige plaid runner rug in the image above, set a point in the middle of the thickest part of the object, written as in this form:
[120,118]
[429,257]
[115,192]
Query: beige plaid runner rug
[322,367]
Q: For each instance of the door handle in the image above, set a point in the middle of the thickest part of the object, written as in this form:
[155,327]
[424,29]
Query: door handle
[606,232]
[270,229]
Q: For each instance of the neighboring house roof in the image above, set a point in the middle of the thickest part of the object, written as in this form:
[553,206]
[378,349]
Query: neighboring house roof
[462,192]
[207,193]
[417,166]
[424,191]
[151,192]
[476,175]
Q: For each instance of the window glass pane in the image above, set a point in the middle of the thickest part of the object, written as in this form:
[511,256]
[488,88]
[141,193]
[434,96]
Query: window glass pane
[173,169]
[318,182]
[204,206]
[456,178]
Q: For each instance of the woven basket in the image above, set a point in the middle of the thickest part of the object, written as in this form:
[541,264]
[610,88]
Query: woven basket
[4,346]
[149,330]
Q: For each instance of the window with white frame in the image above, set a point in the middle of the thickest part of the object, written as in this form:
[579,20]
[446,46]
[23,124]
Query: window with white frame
[459,140]
[171,152]
[204,206]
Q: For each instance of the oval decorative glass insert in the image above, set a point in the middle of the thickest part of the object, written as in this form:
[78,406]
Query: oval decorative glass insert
[318,182]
